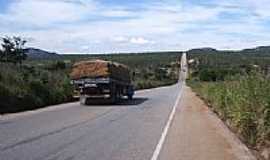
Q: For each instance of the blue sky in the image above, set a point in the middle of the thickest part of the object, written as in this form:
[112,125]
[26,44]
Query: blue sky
[103,26]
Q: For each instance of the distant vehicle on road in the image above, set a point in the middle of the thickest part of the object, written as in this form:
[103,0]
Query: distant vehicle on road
[101,80]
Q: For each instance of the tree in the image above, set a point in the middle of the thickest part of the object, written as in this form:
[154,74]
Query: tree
[19,49]
[1,55]
[13,50]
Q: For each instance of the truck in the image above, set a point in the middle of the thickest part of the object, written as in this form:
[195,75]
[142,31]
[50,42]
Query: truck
[101,81]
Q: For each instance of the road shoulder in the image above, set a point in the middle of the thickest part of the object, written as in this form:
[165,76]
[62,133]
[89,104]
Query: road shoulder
[197,133]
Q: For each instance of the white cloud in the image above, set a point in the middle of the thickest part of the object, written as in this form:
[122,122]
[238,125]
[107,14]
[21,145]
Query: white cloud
[260,7]
[140,40]
[117,12]
[63,25]
[44,13]
[120,39]
[132,40]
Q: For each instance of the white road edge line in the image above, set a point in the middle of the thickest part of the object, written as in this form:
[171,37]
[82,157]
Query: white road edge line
[168,124]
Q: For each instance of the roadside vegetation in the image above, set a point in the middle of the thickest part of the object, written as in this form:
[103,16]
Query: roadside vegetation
[26,87]
[237,88]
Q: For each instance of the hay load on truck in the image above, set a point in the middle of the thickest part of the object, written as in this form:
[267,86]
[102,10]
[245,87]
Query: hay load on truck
[99,80]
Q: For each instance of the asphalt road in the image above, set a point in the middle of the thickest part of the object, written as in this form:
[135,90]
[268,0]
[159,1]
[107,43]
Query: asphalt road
[130,130]
[159,124]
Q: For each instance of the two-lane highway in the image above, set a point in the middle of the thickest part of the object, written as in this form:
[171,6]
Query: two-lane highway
[126,131]
[130,130]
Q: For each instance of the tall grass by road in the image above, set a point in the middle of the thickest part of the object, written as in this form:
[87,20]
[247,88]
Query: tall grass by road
[243,102]
[237,87]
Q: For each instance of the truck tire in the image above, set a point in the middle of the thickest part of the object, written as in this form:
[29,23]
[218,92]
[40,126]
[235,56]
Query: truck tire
[118,95]
[130,97]
[113,98]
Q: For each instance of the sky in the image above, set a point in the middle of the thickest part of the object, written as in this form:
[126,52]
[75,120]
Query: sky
[112,26]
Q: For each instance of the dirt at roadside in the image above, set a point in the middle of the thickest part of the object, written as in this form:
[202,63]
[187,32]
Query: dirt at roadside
[197,133]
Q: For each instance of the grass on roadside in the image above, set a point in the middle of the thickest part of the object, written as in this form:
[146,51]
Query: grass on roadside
[243,102]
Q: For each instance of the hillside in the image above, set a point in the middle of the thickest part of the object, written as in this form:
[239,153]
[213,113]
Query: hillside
[202,50]
[261,50]
[257,50]
[38,54]
[34,53]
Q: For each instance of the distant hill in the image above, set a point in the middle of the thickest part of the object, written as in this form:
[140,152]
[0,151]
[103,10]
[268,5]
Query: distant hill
[203,50]
[258,50]
[261,50]
[34,53]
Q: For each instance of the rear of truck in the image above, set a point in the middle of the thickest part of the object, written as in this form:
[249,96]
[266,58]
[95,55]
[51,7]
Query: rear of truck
[101,81]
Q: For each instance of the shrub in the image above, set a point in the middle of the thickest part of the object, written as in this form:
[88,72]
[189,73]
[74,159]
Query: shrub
[28,88]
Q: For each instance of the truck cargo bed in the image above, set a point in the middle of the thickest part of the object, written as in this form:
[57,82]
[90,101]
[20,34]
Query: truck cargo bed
[100,69]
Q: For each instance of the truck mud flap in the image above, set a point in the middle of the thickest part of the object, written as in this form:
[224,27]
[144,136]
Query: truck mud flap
[83,100]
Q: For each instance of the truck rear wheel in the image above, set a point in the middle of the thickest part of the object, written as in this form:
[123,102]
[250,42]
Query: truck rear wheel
[118,95]
[113,98]
[130,97]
